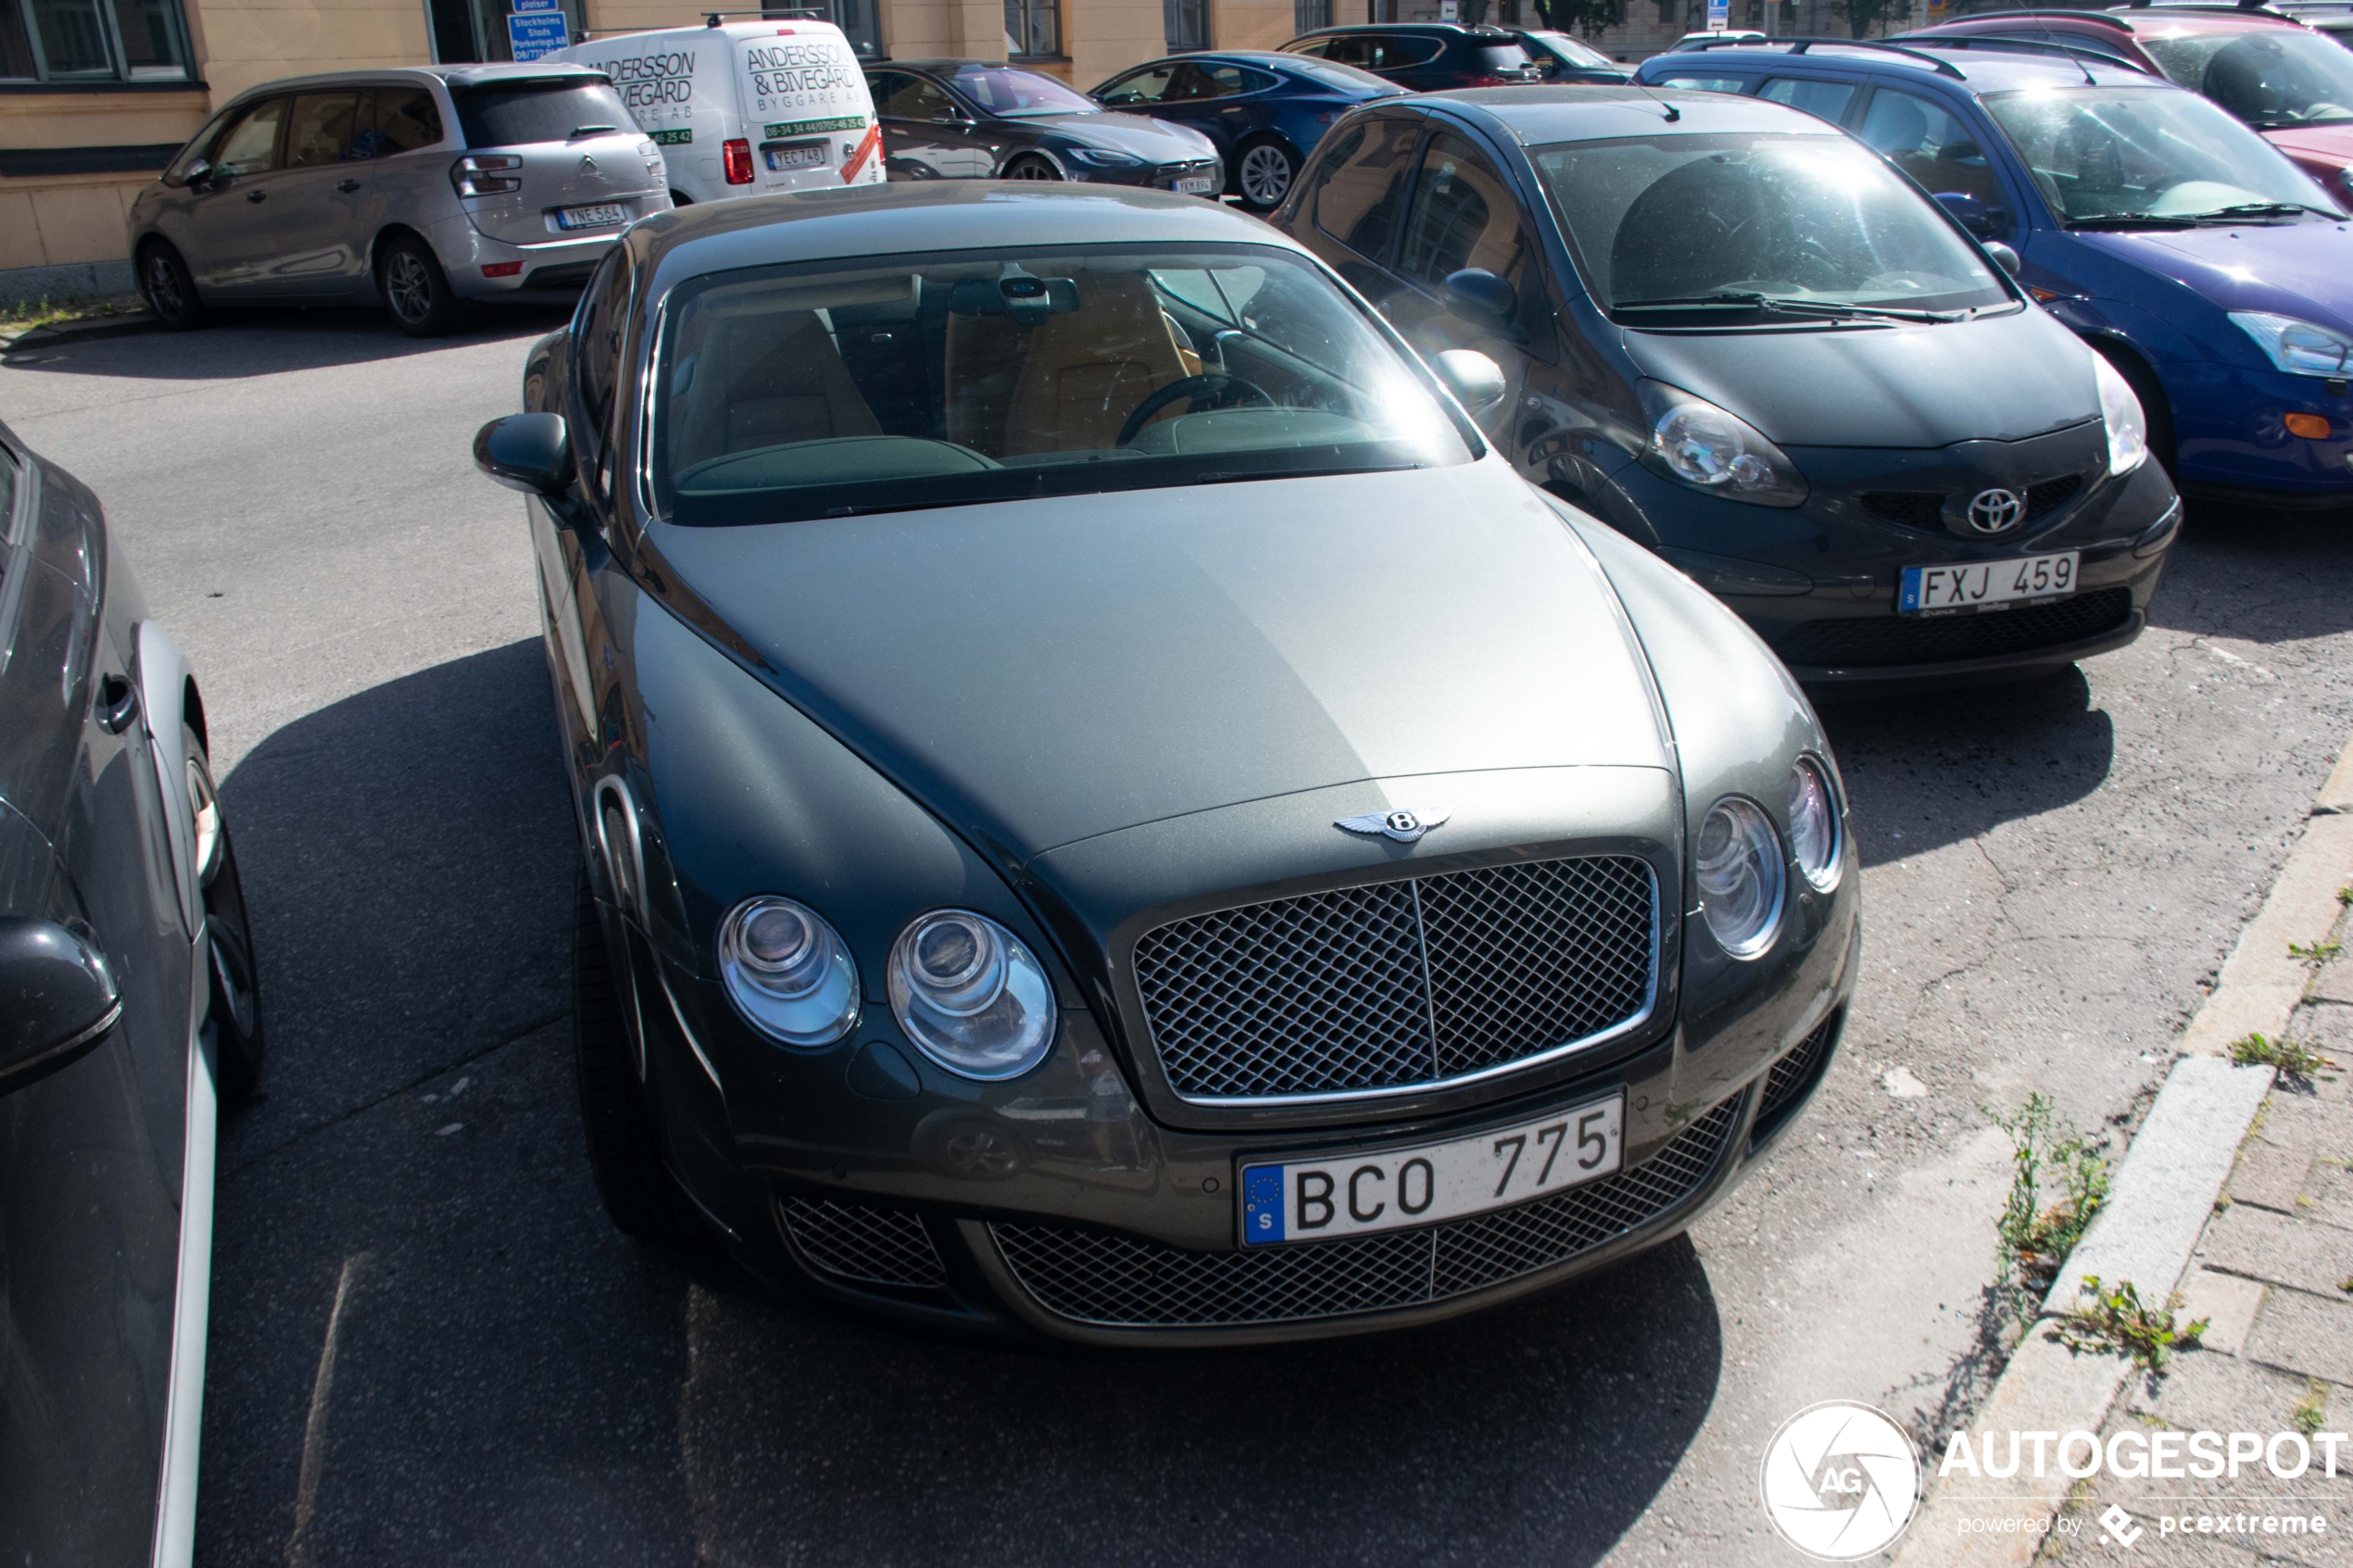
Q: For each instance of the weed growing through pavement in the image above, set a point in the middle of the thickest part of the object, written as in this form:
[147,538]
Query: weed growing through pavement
[2345,1285]
[32,313]
[2297,1058]
[2059,1179]
[2345,895]
[2314,1409]
[2116,1319]
[2319,952]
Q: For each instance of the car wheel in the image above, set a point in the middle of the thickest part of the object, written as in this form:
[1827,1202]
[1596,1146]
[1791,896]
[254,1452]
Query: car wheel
[232,1016]
[170,292]
[640,1196]
[2151,392]
[415,289]
[1263,174]
[1032,167]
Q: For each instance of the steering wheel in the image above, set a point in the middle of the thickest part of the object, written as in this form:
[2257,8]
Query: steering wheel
[1207,392]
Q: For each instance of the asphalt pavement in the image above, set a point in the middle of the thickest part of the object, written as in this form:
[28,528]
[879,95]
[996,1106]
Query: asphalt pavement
[428,1346]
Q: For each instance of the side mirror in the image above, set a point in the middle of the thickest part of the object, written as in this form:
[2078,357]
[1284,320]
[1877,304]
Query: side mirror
[1477,295]
[527,452]
[2004,257]
[1967,211]
[198,172]
[57,1000]
[1472,377]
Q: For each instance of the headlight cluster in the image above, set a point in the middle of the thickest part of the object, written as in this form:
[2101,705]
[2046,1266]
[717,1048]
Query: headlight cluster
[2120,411]
[1741,869]
[1712,450]
[2301,348]
[967,991]
[1101,157]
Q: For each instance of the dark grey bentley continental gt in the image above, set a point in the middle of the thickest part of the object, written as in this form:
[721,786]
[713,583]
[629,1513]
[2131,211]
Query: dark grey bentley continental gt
[1108,809]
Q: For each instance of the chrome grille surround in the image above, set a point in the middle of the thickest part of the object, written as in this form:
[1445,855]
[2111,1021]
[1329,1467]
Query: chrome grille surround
[863,1245]
[1114,1279]
[1401,986]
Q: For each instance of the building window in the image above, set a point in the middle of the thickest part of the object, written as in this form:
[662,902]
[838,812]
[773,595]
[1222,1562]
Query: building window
[859,24]
[1033,29]
[1306,16]
[93,41]
[474,31]
[1184,24]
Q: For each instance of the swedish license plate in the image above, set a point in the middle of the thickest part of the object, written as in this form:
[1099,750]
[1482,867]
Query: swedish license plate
[603,215]
[806,155]
[1195,185]
[1390,1189]
[1977,584]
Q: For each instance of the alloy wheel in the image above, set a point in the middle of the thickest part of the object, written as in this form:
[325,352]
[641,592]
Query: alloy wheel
[408,286]
[1032,168]
[163,286]
[1265,176]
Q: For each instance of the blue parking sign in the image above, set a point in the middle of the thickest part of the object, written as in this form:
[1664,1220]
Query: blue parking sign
[1720,15]
[535,33]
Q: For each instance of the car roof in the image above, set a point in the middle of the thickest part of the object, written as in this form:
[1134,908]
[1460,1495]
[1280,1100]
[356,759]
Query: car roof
[1536,116]
[945,65]
[2139,21]
[845,222]
[454,76]
[1443,30]
[1980,70]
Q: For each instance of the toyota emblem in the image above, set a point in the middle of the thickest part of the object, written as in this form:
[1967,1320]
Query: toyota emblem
[1996,511]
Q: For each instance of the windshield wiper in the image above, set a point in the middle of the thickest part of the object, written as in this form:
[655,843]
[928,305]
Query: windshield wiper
[592,131]
[1232,476]
[1824,309]
[2130,220]
[2261,209]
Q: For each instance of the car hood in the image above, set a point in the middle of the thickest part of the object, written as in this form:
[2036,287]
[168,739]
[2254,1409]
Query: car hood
[2332,143]
[1140,135]
[2291,269]
[1041,672]
[2002,379]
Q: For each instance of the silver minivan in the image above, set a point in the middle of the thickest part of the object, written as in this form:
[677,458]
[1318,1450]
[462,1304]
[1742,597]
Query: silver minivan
[421,187]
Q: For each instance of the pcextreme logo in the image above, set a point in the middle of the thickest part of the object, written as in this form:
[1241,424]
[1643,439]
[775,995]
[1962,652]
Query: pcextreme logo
[1841,1480]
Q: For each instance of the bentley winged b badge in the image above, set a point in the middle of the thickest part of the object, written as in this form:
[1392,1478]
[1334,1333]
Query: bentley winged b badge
[1401,825]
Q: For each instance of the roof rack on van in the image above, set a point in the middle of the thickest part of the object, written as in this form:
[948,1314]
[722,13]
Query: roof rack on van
[2025,41]
[1799,47]
[2068,13]
[770,14]
[2242,8]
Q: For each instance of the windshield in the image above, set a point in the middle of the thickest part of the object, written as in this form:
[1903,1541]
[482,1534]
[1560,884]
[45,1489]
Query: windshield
[515,113]
[827,389]
[1570,49]
[1805,218]
[1002,90]
[2269,77]
[2103,155]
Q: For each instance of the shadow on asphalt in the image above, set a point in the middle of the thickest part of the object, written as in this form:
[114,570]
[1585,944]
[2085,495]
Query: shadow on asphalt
[511,1382]
[261,343]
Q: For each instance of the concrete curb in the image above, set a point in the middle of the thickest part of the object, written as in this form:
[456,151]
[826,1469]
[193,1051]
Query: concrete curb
[2163,1193]
[65,332]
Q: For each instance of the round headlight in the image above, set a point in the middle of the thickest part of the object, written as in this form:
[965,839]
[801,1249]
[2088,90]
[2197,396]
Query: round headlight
[1739,870]
[970,995]
[789,972]
[1813,824]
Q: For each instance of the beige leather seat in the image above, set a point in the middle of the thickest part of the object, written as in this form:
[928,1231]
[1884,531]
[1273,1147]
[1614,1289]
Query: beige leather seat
[1069,382]
[762,379]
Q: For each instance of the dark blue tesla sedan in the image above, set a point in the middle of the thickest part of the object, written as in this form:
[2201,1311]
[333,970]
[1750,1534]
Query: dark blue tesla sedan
[1264,110]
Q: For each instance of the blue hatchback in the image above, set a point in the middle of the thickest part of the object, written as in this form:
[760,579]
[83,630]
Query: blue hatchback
[1264,109]
[2212,271]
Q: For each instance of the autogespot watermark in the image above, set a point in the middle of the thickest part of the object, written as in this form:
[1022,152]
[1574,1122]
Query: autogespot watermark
[1842,1481]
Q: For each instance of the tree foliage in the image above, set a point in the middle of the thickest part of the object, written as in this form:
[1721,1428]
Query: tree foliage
[1588,17]
[1864,17]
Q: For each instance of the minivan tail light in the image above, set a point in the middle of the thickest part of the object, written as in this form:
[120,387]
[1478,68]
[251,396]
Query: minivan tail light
[738,162]
[484,174]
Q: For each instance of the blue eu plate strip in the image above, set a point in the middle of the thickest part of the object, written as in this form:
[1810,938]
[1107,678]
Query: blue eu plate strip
[1262,1204]
[1911,599]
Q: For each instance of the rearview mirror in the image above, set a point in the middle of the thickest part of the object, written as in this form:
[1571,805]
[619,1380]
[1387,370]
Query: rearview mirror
[57,1000]
[1477,295]
[527,452]
[1472,377]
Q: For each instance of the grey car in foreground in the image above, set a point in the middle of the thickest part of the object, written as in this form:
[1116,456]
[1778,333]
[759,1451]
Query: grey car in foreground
[127,1004]
[1109,809]
[421,188]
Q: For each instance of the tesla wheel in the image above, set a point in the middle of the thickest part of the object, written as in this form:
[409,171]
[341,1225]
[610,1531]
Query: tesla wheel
[170,292]
[2151,392]
[1031,168]
[415,289]
[232,1017]
[640,1196]
[1263,172]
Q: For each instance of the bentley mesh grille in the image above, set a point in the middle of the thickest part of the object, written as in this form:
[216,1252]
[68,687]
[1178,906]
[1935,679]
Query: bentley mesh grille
[1786,1080]
[1883,641]
[869,1246]
[1126,1281]
[1402,983]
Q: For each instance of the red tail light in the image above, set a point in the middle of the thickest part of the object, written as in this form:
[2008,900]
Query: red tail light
[738,162]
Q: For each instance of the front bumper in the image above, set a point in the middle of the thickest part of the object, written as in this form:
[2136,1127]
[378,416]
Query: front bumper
[2232,442]
[1153,176]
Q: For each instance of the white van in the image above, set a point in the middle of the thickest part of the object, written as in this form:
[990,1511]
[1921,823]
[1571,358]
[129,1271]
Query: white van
[745,107]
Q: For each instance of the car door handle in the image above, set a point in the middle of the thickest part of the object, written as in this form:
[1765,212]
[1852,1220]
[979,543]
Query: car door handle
[346,186]
[118,704]
[256,195]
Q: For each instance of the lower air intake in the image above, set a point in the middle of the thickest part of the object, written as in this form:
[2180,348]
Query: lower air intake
[1127,1282]
[865,1246]
[1886,641]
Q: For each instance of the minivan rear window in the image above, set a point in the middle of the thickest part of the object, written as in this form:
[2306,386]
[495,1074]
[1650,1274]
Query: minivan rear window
[512,113]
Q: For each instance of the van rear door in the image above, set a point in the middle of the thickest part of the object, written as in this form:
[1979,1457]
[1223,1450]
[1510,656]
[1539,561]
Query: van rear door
[806,109]
[551,156]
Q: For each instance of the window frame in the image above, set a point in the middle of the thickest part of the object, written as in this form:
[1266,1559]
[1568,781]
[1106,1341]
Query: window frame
[1022,46]
[119,74]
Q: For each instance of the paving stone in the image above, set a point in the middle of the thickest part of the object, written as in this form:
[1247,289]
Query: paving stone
[2151,1547]
[2229,1305]
[2271,1176]
[2307,1122]
[2203,1390]
[2297,1332]
[2262,1245]
[2333,983]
